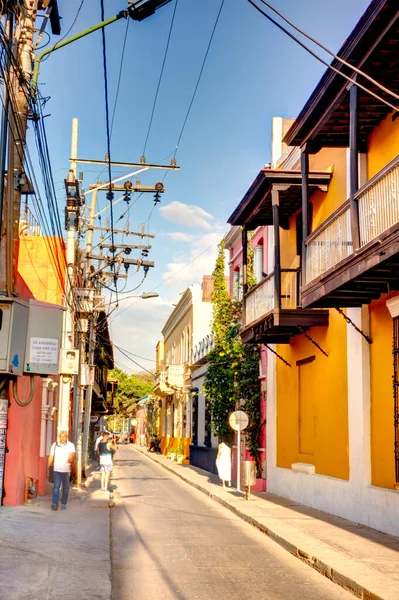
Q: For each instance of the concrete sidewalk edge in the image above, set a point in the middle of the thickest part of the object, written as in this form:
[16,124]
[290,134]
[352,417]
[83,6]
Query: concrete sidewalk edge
[316,563]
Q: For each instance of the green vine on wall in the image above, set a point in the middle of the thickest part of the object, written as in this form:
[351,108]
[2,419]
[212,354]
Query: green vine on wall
[232,378]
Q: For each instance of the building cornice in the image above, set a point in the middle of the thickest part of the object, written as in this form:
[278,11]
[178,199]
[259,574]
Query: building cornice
[232,237]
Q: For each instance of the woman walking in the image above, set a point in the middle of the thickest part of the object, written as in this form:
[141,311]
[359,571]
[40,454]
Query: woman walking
[106,450]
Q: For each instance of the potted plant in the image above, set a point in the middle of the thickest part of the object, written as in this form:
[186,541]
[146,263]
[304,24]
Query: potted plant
[180,454]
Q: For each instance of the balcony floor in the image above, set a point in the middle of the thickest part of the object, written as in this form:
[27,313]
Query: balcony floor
[359,279]
[280,325]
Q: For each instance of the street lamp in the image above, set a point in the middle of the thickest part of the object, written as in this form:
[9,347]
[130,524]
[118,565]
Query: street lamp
[143,296]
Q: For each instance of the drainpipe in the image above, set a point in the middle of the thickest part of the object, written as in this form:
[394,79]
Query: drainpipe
[51,409]
[43,425]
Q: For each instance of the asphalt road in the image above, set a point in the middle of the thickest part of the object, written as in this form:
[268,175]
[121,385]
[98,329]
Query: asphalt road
[169,540]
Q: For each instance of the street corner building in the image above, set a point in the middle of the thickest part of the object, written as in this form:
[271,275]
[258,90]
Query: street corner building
[30,343]
[327,306]
[183,417]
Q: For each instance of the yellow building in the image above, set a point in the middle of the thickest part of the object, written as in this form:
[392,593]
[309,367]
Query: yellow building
[329,307]
[188,324]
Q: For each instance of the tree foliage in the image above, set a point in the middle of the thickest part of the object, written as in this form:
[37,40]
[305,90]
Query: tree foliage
[232,377]
[130,388]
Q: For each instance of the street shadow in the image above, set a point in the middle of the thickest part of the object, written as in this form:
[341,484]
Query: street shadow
[126,463]
[132,496]
[372,535]
[141,479]
[173,585]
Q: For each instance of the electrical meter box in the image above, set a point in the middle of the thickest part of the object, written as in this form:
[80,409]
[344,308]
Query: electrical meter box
[43,341]
[69,361]
[13,328]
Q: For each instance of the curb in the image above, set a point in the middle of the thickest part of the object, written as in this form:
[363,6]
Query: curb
[313,561]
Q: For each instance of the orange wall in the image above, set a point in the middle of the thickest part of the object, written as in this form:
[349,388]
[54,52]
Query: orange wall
[383,146]
[382,403]
[37,267]
[326,203]
[325,394]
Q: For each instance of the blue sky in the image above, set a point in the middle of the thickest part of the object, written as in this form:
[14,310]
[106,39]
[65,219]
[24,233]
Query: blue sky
[253,73]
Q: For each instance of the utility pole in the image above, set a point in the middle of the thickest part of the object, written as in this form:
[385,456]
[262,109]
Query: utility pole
[71,223]
[13,131]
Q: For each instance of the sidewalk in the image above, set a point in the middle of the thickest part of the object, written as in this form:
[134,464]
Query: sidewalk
[63,555]
[362,560]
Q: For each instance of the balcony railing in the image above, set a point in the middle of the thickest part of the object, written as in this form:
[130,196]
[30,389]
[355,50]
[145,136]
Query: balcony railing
[203,347]
[378,207]
[261,300]
[378,203]
[329,244]
[160,378]
[175,375]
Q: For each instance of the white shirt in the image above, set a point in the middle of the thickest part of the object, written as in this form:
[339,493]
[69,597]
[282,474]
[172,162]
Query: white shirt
[98,440]
[61,455]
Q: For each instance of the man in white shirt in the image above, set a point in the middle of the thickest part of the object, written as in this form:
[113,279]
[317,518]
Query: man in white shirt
[62,458]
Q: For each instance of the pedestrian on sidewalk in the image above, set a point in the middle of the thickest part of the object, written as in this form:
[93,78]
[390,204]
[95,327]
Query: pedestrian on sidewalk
[106,449]
[98,440]
[223,463]
[62,459]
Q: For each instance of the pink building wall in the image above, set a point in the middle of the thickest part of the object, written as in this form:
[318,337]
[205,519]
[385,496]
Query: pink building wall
[235,261]
[24,428]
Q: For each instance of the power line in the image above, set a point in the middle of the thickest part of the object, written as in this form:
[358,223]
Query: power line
[160,77]
[67,33]
[199,79]
[338,58]
[110,194]
[170,277]
[321,60]
[120,75]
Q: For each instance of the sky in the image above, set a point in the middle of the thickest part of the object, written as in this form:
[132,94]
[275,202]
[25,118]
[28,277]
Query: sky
[253,72]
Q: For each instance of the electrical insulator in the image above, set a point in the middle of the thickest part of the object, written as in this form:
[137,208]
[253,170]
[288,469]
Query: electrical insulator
[157,198]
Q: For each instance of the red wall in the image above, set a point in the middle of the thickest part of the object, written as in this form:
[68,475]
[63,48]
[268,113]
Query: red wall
[23,442]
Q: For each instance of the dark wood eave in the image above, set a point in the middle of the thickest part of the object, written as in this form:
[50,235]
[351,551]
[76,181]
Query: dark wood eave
[255,209]
[324,120]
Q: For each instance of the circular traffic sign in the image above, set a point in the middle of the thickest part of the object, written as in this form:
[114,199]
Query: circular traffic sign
[238,420]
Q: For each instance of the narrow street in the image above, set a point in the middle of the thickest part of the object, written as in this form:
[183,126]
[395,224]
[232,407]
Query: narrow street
[170,541]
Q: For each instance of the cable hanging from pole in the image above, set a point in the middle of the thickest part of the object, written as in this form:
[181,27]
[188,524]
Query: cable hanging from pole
[110,194]
[321,60]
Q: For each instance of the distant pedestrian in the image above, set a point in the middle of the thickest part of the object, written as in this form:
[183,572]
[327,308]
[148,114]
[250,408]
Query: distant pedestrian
[98,440]
[62,459]
[223,463]
[106,449]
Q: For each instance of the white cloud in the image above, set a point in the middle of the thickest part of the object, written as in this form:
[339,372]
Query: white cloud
[202,256]
[179,236]
[189,215]
[138,329]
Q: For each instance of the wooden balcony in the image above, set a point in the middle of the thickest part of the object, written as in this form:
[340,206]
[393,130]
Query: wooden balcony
[161,387]
[273,318]
[175,375]
[340,274]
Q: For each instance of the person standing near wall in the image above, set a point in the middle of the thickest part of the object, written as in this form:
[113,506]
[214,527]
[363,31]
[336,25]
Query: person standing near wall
[62,459]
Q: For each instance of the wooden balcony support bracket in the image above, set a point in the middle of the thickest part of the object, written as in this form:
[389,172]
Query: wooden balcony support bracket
[278,355]
[305,205]
[354,163]
[349,320]
[277,253]
[309,337]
